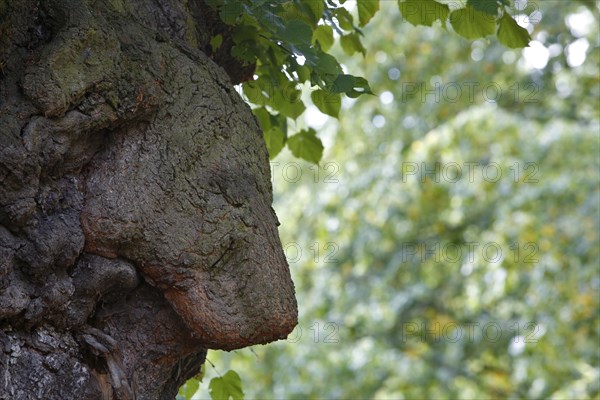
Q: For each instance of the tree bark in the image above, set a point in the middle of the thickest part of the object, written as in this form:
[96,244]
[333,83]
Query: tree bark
[136,228]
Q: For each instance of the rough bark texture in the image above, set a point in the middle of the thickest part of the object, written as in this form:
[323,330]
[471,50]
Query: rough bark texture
[136,228]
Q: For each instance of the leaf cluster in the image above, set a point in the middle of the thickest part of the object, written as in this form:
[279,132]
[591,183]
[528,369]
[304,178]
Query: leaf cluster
[289,41]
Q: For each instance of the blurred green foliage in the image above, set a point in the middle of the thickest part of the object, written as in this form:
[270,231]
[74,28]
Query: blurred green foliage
[394,242]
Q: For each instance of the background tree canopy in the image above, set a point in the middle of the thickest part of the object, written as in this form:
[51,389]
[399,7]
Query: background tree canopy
[446,246]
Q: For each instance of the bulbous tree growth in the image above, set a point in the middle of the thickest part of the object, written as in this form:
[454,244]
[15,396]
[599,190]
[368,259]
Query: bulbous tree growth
[136,228]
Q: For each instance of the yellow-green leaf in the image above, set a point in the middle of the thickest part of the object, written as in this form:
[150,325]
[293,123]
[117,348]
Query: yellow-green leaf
[317,7]
[345,19]
[275,140]
[366,10]
[226,387]
[306,145]
[189,388]
[288,103]
[423,12]
[216,42]
[486,6]
[324,35]
[254,93]
[472,24]
[511,34]
[263,117]
[327,102]
[351,44]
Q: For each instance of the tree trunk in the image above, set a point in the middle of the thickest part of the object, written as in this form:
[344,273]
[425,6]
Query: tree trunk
[136,228]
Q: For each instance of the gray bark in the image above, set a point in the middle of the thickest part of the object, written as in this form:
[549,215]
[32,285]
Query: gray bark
[136,228]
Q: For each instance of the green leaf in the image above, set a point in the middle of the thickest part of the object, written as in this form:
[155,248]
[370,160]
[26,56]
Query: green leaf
[267,122]
[324,35]
[327,64]
[290,109]
[216,42]
[317,7]
[303,71]
[296,31]
[361,86]
[230,12]
[486,6]
[296,10]
[343,83]
[189,388]
[226,387]
[327,102]
[254,93]
[287,101]
[309,52]
[423,12]
[275,140]
[306,145]
[345,19]
[263,117]
[366,10]
[244,33]
[351,44]
[472,24]
[511,34]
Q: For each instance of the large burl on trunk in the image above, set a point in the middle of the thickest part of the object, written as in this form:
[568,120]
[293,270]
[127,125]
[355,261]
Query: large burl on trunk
[136,228]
